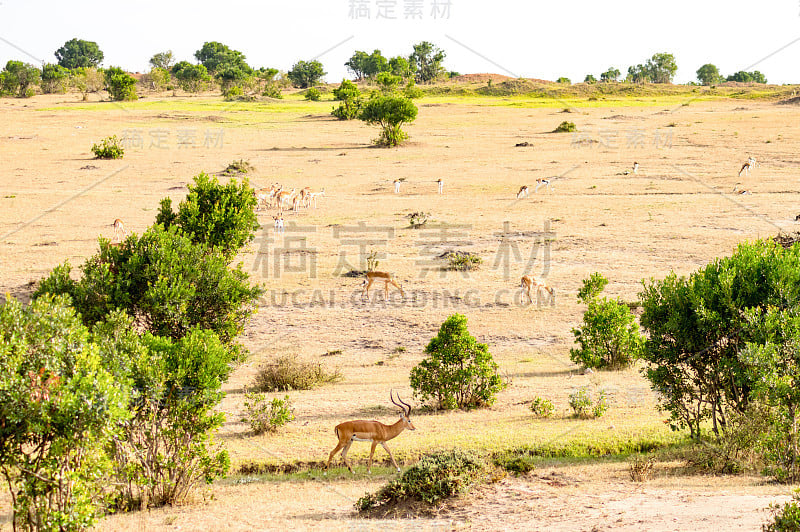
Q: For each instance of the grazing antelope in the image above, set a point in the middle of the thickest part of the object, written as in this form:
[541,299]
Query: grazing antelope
[313,197]
[540,182]
[441,185]
[745,169]
[523,192]
[119,227]
[284,197]
[739,191]
[380,276]
[528,283]
[371,431]
[396,186]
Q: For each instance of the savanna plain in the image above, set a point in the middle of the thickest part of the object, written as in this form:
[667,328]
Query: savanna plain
[677,213]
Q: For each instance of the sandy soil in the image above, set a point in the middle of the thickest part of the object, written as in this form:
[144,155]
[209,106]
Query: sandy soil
[676,214]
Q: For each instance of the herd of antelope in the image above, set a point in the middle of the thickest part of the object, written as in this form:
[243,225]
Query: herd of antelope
[276,196]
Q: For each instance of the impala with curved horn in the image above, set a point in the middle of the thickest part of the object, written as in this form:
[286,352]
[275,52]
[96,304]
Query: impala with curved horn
[372,431]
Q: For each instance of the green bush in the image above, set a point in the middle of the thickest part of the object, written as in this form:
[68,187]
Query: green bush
[232,93]
[581,402]
[165,450]
[313,95]
[565,127]
[289,373]
[120,85]
[19,78]
[57,407]
[515,462]
[592,287]
[437,476]
[168,283]
[191,78]
[219,216]
[264,415]
[565,81]
[351,102]
[109,148]
[459,372]
[55,79]
[609,336]
[542,407]
[390,113]
[699,326]
[785,517]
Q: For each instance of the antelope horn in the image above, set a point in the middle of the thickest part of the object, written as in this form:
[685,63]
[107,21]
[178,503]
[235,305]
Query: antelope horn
[391,397]
[408,412]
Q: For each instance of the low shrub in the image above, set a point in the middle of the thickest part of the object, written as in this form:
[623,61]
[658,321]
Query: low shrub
[238,167]
[109,148]
[542,407]
[786,517]
[462,261]
[264,415]
[581,403]
[289,373]
[565,127]
[418,219]
[640,468]
[515,462]
[437,476]
[313,95]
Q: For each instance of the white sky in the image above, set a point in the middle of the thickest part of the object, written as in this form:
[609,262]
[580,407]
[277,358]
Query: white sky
[529,39]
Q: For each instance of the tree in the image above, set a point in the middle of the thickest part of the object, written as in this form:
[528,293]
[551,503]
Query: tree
[590,79]
[638,74]
[215,55]
[459,372]
[748,77]
[698,325]
[18,77]
[609,337]
[351,102]
[232,76]
[774,356]
[399,66]
[375,64]
[390,112]
[357,64]
[163,60]
[77,53]
[565,81]
[191,78]
[119,84]
[55,78]
[612,74]
[661,68]
[58,408]
[158,78]
[427,60]
[708,74]
[305,74]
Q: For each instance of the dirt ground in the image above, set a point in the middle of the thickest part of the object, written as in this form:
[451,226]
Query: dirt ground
[677,213]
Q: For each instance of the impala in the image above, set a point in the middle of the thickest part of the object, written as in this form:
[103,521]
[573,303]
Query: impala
[380,276]
[119,227]
[371,431]
[523,192]
[529,283]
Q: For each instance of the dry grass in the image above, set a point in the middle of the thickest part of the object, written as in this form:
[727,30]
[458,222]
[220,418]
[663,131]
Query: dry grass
[675,214]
